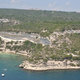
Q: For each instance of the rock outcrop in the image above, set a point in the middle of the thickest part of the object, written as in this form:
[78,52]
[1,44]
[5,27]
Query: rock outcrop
[50,65]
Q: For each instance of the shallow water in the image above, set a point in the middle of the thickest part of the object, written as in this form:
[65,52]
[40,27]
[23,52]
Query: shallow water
[9,66]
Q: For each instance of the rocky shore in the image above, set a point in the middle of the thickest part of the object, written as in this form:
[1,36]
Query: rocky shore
[50,65]
[60,48]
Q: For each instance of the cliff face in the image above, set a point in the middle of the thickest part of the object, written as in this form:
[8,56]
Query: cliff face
[50,65]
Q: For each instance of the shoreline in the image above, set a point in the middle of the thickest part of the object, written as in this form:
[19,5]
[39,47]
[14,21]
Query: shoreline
[40,67]
[68,68]
[26,66]
[74,68]
[13,53]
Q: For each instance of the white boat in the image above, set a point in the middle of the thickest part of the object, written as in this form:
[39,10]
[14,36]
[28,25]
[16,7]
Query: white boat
[2,75]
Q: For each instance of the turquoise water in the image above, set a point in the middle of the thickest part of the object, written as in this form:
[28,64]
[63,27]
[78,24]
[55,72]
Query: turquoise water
[9,65]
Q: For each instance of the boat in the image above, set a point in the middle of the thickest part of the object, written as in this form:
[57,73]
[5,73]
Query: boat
[2,75]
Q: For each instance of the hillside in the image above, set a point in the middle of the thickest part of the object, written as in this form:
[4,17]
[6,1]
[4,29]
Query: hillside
[37,20]
[42,35]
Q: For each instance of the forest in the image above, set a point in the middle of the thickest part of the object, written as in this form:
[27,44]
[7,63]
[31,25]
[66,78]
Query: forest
[34,21]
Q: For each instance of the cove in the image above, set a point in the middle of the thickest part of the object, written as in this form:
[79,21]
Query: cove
[9,66]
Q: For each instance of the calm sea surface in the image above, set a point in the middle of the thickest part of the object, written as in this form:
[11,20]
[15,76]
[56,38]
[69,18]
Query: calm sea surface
[9,66]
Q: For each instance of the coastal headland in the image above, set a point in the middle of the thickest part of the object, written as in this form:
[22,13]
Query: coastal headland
[40,60]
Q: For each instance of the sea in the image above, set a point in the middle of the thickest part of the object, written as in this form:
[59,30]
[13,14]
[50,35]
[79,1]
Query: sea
[9,65]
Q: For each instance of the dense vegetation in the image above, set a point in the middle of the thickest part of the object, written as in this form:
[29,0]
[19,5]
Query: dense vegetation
[38,20]
[37,51]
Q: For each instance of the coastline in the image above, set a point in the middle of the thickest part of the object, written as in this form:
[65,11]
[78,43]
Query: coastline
[10,52]
[51,65]
[41,67]
[68,68]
